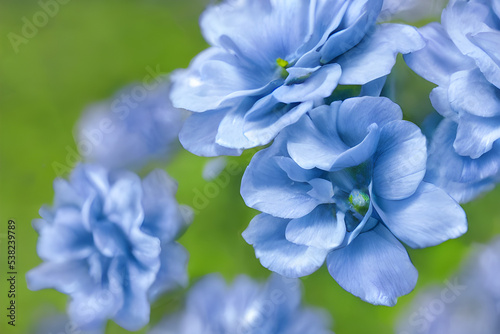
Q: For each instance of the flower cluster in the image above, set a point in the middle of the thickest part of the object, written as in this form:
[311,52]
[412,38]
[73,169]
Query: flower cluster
[330,188]
[245,307]
[470,303]
[271,61]
[461,57]
[109,243]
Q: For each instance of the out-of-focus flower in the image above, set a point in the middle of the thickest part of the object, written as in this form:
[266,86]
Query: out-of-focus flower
[343,185]
[246,307]
[270,61]
[470,303]
[109,243]
[462,58]
[411,10]
[138,125]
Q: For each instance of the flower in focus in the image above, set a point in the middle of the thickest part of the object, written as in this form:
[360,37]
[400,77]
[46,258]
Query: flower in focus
[109,243]
[270,61]
[462,58]
[343,184]
[245,307]
[470,303]
[137,126]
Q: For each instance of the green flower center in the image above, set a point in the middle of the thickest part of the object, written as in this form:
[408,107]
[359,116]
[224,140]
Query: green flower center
[283,64]
[360,201]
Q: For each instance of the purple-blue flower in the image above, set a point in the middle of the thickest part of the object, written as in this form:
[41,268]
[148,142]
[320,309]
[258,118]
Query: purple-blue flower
[109,243]
[343,184]
[245,307]
[462,59]
[270,61]
[138,125]
[467,303]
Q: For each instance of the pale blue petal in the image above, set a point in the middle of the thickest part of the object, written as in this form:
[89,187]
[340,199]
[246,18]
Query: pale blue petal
[319,229]
[375,56]
[427,218]
[267,234]
[374,267]
[400,161]
[199,132]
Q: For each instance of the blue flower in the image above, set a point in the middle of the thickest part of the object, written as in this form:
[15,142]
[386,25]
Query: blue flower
[137,126]
[341,185]
[245,307]
[461,57]
[109,243]
[467,303]
[271,60]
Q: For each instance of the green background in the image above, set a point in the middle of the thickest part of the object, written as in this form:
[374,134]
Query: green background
[88,51]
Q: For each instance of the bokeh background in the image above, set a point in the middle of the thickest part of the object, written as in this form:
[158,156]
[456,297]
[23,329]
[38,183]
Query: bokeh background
[88,51]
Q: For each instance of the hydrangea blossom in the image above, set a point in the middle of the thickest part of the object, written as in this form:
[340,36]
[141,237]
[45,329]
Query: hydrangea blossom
[469,303]
[245,307]
[270,61]
[136,126]
[343,184]
[462,58]
[109,243]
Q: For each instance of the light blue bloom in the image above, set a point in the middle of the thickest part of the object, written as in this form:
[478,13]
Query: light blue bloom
[109,243]
[468,303]
[462,58]
[343,184]
[138,125]
[246,307]
[270,61]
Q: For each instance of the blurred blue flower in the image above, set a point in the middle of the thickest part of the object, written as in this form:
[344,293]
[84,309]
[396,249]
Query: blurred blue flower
[462,58]
[135,127]
[469,303]
[109,243]
[341,185]
[246,307]
[271,60]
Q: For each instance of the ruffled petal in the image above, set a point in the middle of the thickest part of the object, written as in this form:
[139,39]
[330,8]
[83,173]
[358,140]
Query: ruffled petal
[267,234]
[427,218]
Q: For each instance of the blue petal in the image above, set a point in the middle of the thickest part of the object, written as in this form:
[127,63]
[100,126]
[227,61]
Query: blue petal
[374,267]
[469,92]
[199,132]
[231,132]
[267,234]
[319,229]
[358,19]
[264,122]
[440,58]
[319,85]
[267,188]
[123,202]
[66,238]
[66,277]
[441,102]
[366,111]
[400,161]
[163,218]
[214,80]
[427,218]
[476,135]
[373,88]
[375,56]
[173,270]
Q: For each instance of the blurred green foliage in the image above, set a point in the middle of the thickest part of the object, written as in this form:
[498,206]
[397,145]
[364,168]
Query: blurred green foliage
[88,51]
